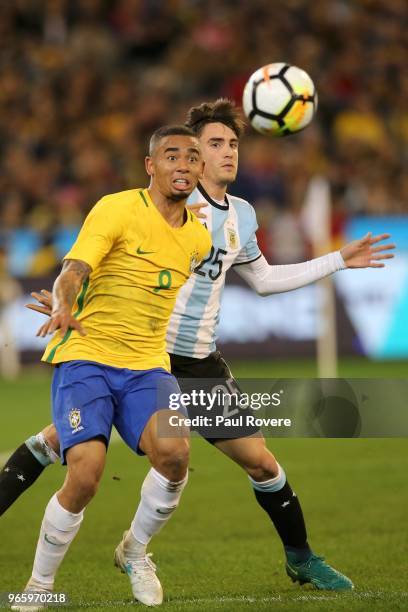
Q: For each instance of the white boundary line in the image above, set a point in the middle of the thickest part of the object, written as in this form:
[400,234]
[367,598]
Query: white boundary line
[310,596]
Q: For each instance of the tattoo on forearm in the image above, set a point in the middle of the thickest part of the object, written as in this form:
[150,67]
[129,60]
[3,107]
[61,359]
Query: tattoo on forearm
[68,283]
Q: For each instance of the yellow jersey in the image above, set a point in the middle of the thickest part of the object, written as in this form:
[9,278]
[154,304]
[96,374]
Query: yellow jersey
[139,262]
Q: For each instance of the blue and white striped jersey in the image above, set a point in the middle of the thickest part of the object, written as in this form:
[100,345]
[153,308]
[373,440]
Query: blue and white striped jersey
[192,327]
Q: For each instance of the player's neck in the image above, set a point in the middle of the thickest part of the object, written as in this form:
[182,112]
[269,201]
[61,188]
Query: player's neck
[173,212]
[215,191]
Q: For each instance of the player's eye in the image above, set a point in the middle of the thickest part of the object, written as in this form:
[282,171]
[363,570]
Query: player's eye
[171,157]
[194,158]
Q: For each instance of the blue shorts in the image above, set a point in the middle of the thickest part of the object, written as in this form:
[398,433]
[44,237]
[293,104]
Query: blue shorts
[88,398]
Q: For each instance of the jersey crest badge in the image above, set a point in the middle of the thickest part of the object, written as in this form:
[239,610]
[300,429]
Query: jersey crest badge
[75,420]
[232,238]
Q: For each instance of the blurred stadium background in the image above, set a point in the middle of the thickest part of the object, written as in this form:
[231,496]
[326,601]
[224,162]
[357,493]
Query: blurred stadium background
[83,83]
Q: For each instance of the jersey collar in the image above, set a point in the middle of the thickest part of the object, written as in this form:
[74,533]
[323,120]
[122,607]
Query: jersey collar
[147,200]
[211,201]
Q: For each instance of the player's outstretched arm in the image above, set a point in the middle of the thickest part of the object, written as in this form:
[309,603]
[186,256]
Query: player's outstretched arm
[267,279]
[66,287]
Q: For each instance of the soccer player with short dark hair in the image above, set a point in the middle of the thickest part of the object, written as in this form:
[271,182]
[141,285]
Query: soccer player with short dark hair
[111,305]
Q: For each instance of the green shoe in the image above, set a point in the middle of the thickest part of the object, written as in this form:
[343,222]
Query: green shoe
[318,573]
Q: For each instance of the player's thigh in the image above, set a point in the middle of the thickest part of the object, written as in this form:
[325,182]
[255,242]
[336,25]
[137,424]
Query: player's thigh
[82,403]
[163,442]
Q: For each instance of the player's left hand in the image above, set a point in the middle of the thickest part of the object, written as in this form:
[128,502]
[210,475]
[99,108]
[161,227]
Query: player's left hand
[61,319]
[44,298]
[196,209]
[362,254]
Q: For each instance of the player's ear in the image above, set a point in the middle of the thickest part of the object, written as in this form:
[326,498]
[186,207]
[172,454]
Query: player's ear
[202,170]
[149,165]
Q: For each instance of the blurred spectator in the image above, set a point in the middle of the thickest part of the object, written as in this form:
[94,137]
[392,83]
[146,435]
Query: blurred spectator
[9,291]
[84,82]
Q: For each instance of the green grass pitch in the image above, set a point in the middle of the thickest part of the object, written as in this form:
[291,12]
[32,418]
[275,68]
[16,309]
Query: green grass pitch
[219,552]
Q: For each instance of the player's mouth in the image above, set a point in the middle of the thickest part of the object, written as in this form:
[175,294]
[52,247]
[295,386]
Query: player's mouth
[229,167]
[181,184]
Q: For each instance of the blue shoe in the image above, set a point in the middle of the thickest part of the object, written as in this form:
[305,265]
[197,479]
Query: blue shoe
[319,573]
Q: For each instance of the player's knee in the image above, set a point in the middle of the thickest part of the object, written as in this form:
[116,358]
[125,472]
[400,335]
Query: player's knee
[172,459]
[85,468]
[263,466]
[86,486]
[51,437]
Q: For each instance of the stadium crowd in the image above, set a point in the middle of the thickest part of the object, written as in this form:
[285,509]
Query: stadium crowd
[83,83]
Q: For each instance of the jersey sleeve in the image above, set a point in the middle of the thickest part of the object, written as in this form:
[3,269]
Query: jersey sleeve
[101,228]
[205,242]
[250,251]
[266,279]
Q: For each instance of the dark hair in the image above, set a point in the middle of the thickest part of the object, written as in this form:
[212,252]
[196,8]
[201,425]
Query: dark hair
[169,130]
[221,111]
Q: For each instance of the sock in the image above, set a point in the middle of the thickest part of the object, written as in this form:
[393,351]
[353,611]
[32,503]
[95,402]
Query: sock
[278,500]
[23,468]
[159,499]
[41,450]
[58,529]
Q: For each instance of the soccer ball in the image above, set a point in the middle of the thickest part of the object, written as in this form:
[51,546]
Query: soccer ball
[279,99]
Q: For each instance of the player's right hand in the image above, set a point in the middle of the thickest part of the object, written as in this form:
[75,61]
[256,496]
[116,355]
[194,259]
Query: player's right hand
[44,298]
[63,320]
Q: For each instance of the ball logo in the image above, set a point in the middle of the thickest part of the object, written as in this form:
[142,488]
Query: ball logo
[265,71]
[75,420]
[296,114]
